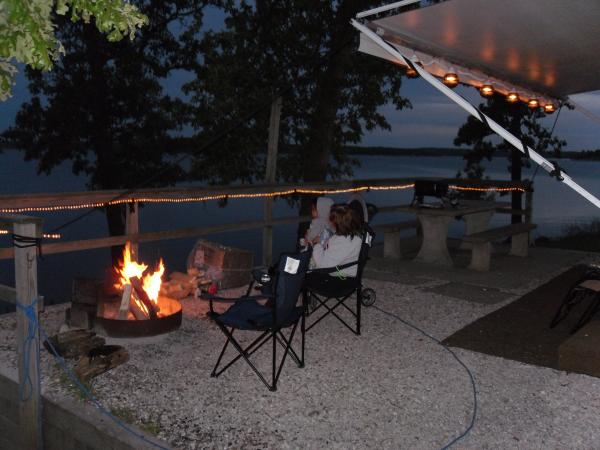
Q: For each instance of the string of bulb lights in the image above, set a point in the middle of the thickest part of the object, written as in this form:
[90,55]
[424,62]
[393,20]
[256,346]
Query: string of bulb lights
[45,235]
[487,90]
[282,193]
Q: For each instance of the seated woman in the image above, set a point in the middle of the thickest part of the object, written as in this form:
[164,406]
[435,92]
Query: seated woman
[341,248]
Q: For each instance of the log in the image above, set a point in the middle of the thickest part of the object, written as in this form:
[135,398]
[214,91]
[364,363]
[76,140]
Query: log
[183,277]
[100,360]
[74,343]
[137,286]
[125,301]
[137,312]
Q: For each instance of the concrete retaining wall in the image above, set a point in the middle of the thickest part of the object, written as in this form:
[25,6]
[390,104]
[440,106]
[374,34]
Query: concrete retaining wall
[67,425]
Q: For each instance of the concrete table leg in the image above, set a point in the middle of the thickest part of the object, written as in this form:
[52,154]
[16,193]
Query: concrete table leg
[434,249]
[474,224]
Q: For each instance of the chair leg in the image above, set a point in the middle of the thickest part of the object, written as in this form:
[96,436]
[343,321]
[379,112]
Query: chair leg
[214,371]
[303,332]
[358,309]
[273,386]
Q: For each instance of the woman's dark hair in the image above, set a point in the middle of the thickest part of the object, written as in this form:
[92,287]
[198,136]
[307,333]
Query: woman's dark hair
[346,220]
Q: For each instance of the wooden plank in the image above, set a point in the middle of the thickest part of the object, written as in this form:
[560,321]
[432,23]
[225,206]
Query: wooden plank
[7,220]
[90,244]
[26,287]
[8,294]
[36,200]
[499,233]
[132,226]
[271,171]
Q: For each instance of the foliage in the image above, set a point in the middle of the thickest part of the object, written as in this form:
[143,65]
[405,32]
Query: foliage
[103,107]
[307,51]
[583,237]
[518,119]
[27,30]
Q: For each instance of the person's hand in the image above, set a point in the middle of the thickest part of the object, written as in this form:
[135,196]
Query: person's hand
[316,240]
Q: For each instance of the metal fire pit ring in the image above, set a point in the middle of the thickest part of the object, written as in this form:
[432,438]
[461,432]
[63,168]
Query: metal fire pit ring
[113,327]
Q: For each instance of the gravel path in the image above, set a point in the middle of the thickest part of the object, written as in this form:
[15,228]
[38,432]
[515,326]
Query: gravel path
[390,388]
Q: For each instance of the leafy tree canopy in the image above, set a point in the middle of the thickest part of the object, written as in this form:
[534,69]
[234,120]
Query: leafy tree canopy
[520,120]
[27,30]
[307,50]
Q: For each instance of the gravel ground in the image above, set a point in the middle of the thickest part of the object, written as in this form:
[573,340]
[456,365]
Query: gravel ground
[389,388]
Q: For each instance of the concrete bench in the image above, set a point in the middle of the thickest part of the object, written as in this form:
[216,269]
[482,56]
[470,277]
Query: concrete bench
[391,236]
[482,247]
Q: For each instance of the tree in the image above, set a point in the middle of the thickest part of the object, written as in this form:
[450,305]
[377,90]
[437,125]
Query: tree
[103,106]
[308,51]
[522,122]
[27,30]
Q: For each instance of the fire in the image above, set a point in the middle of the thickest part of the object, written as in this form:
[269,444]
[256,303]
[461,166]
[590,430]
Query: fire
[130,269]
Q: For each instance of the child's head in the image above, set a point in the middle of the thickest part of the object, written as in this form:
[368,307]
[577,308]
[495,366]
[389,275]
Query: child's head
[345,221]
[313,208]
[321,207]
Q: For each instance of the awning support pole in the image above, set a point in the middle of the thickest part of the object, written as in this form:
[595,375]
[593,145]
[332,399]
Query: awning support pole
[551,168]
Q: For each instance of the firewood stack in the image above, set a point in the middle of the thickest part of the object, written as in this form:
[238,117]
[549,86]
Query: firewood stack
[182,285]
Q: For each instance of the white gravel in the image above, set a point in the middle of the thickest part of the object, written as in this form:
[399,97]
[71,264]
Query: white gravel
[390,388]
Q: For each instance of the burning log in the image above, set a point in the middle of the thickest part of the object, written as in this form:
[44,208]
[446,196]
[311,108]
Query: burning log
[100,360]
[137,307]
[138,288]
[125,302]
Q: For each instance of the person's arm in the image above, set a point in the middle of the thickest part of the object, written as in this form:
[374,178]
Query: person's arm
[339,250]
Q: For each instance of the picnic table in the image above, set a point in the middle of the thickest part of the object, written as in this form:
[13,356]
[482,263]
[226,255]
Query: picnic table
[436,220]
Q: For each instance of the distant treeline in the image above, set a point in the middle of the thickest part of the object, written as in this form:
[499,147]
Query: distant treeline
[592,155]
[184,144]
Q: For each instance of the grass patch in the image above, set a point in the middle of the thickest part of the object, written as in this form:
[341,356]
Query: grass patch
[582,237]
[128,415]
[73,389]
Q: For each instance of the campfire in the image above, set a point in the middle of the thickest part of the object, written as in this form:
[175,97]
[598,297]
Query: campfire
[137,306]
[140,288]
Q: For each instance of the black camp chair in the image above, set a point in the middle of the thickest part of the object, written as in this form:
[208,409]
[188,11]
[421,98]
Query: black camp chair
[279,312]
[322,288]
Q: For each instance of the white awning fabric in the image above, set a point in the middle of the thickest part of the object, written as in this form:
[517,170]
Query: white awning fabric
[541,49]
[544,49]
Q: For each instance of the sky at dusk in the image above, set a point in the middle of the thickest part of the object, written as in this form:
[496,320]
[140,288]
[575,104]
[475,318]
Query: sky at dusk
[433,120]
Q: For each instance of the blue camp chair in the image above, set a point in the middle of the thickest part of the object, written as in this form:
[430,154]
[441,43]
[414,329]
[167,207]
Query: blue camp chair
[279,312]
[321,288]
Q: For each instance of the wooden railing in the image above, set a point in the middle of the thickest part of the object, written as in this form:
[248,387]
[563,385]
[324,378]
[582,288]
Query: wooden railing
[57,201]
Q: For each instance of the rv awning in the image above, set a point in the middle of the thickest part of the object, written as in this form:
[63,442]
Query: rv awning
[538,48]
[542,49]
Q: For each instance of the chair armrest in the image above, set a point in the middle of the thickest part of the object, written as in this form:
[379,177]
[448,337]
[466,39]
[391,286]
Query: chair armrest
[333,269]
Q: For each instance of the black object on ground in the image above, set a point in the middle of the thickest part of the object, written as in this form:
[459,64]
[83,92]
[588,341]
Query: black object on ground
[520,331]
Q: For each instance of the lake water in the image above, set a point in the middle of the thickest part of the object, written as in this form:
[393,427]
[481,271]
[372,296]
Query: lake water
[555,206]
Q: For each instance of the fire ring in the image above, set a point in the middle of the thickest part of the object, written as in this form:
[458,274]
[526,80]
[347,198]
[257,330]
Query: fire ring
[169,319]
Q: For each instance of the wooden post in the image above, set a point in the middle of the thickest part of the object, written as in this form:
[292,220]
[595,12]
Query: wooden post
[529,204]
[30,411]
[132,226]
[270,178]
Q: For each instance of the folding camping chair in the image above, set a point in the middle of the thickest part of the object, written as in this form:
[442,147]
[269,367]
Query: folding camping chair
[585,290]
[279,312]
[338,289]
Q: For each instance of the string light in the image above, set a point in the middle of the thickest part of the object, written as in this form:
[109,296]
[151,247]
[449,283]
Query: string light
[549,108]
[205,198]
[512,97]
[282,193]
[486,90]
[486,189]
[450,79]
[533,103]
[44,235]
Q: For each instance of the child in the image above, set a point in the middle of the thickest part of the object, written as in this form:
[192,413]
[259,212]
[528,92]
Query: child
[319,226]
[343,247]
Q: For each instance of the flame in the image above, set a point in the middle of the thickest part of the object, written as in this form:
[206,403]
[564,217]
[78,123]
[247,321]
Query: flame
[129,269]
